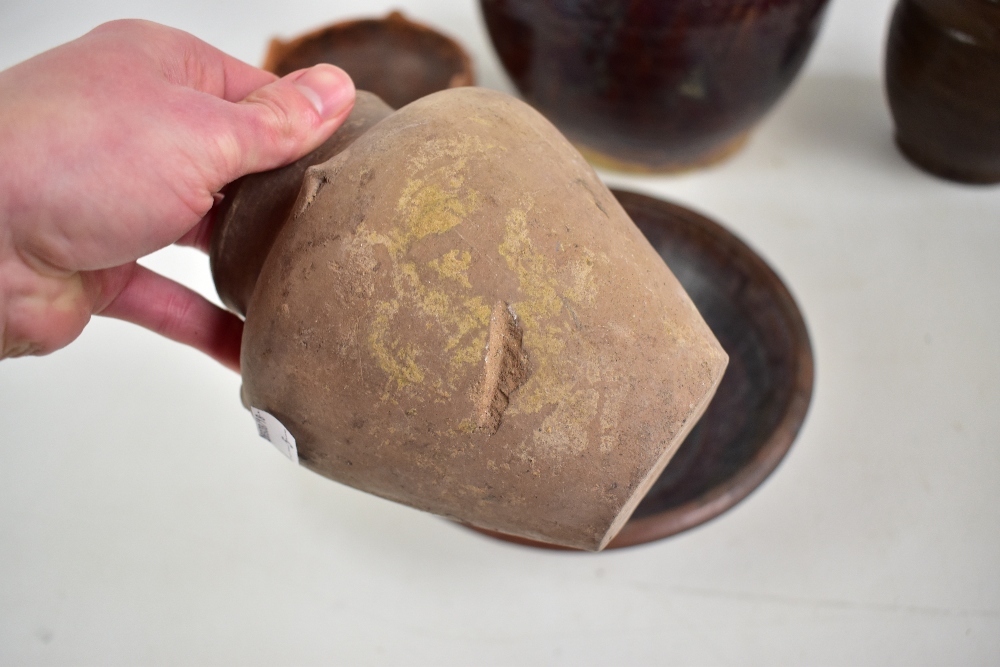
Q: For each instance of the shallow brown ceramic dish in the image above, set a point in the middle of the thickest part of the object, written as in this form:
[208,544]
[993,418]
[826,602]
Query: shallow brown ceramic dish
[764,395]
[395,58]
[942,74]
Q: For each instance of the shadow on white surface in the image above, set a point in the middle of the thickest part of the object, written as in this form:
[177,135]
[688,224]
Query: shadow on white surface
[844,119]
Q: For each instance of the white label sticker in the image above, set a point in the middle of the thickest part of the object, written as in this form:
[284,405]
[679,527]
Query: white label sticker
[274,432]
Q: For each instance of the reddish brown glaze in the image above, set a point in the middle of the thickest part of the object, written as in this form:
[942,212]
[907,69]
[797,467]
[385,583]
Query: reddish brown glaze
[395,58]
[650,84]
[762,401]
[943,83]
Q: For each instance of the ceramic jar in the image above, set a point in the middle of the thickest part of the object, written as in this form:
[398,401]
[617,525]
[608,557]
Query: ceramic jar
[650,85]
[943,84]
[449,309]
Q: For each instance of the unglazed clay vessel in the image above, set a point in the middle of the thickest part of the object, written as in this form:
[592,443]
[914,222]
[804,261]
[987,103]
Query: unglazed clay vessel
[649,85]
[943,82]
[459,316]
[395,58]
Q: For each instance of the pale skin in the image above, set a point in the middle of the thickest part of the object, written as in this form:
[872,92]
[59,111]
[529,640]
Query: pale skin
[116,145]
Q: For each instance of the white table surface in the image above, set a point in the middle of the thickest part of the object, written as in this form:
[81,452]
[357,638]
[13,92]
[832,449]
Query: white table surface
[143,522]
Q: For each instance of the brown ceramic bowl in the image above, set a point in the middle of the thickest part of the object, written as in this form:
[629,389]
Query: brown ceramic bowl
[764,395]
[943,82]
[650,85]
[395,58]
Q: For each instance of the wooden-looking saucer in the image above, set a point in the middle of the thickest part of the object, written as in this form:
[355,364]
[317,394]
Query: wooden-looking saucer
[395,58]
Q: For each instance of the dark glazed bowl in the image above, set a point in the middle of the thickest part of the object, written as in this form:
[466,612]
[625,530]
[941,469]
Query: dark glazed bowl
[942,74]
[395,58]
[652,85]
[762,401]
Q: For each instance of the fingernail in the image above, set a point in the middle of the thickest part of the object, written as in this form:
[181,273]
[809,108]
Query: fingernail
[329,88]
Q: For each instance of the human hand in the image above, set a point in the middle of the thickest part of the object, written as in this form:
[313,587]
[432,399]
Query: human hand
[115,145]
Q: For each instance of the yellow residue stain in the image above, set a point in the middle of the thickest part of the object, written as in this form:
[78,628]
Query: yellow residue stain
[397,360]
[454,266]
[534,272]
[434,200]
[457,318]
[460,147]
[432,209]
[543,285]
[473,319]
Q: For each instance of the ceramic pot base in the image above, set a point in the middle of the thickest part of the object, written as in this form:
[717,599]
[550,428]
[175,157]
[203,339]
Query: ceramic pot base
[764,395]
[711,158]
[936,166]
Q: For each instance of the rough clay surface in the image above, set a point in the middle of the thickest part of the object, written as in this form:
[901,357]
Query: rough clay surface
[460,316]
[255,207]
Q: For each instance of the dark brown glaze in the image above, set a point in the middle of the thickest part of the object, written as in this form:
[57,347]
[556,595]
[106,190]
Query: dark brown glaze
[254,208]
[762,401]
[395,58]
[943,84]
[653,85]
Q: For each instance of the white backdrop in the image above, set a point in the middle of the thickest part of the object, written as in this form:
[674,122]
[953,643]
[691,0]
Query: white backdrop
[142,521]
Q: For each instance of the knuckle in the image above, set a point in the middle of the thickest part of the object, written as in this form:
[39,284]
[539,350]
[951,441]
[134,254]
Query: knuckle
[176,313]
[125,26]
[281,118]
[276,126]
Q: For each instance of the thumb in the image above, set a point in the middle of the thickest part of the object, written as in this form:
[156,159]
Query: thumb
[286,119]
